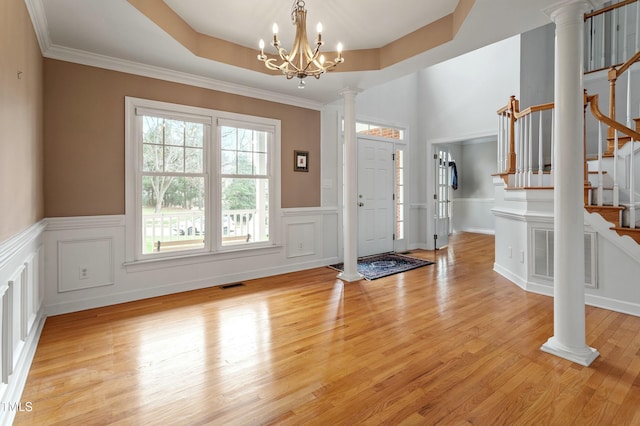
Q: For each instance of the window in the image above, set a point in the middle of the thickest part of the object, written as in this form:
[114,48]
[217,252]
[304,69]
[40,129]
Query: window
[399,194]
[381,131]
[172,183]
[244,184]
[198,180]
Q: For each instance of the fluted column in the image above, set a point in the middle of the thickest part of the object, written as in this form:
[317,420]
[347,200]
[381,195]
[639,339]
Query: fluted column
[350,190]
[569,328]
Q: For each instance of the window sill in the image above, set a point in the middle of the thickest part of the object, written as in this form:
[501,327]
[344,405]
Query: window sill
[195,258]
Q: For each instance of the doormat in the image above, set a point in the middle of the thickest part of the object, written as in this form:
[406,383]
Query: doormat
[382,265]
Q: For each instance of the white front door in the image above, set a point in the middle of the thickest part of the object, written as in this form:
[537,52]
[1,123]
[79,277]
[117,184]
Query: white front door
[441,214]
[375,197]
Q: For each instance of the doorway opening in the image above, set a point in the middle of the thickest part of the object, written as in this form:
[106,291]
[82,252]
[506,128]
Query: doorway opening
[446,178]
[381,189]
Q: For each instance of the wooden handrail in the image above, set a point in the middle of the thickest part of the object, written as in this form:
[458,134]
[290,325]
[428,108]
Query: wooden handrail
[590,15]
[595,109]
[613,75]
[534,108]
[504,109]
[619,71]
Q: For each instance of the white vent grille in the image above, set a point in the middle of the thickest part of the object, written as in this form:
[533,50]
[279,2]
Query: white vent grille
[543,256]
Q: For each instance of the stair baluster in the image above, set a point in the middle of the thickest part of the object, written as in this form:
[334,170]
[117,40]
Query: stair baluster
[600,175]
[540,151]
[616,186]
[632,186]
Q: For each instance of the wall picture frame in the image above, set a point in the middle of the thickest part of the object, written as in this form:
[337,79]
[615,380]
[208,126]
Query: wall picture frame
[300,161]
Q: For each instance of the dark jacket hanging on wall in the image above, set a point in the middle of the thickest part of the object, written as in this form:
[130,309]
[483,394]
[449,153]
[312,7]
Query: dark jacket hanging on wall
[454,175]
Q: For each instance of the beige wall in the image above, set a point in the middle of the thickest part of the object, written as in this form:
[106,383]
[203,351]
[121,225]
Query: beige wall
[21,193]
[84,136]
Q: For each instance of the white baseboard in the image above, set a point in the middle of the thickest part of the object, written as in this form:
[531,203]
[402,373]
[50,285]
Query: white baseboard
[590,299]
[520,282]
[477,231]
[613,305]
[178,287]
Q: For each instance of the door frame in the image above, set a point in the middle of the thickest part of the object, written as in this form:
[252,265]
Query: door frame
[441,173]
[399,244]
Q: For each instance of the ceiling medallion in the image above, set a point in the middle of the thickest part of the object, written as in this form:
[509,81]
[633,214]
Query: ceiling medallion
[302,60]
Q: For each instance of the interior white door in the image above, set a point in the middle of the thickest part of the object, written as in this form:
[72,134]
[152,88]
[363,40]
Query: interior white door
[442,202]
[375,197]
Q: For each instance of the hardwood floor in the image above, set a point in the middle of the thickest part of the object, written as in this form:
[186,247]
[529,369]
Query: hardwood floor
[450,343]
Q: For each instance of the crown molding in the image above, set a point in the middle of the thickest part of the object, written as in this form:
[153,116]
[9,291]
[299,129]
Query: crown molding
[40,25]
[136,68]
[52,51]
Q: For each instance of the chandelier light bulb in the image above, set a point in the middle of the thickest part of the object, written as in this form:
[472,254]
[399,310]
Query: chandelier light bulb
[261,45]
[339,48]
[275,29]
[319,27]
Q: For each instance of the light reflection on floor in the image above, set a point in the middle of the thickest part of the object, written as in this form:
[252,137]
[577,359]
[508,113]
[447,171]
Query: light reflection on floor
[166,352]
[245,334]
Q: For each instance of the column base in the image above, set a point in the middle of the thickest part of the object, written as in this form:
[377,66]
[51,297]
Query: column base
[350,277]
[583,356]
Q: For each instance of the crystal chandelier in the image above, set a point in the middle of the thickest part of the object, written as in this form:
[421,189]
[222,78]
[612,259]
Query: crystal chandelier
[302,60]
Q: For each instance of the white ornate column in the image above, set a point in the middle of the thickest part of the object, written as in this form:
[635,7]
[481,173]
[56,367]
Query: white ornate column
[350,190]
[569,326]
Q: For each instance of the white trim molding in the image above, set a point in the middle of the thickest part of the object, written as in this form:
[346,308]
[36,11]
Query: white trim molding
[309,239]
[22,319]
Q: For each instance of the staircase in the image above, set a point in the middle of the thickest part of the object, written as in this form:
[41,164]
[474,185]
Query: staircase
[611,177]
[525,154]
[612,174]
[604,194]
[525,197]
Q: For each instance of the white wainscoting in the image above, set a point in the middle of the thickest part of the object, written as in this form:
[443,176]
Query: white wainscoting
[473,215]
[613,261]
[21,314]
[86,265]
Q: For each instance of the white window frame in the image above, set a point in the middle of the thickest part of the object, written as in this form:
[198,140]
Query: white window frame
[212,172]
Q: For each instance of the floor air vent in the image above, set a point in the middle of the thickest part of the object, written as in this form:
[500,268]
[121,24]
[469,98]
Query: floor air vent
[226,286]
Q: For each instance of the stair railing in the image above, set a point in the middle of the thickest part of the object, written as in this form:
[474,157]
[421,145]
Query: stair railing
[600,182]
[632,186]
[520,151]
[525,144]
[528,119]
[613,76]
[608,33]
[612,34]
[506,136]
[619,130]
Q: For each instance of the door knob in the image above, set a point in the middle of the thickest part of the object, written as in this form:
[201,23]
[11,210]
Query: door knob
[361,204]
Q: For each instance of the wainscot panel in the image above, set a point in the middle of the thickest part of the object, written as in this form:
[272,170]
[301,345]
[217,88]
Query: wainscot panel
[86,265]
[21,315]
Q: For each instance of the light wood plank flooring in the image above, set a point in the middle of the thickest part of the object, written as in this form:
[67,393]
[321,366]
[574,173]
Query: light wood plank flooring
[450,343]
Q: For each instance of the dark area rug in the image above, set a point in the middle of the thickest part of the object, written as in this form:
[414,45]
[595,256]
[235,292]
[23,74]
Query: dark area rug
[382,265]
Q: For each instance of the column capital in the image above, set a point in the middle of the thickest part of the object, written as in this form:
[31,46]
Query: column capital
[350,91]
[581,7]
